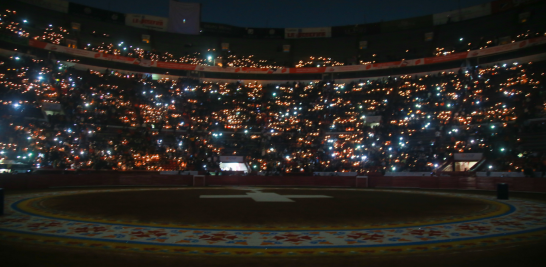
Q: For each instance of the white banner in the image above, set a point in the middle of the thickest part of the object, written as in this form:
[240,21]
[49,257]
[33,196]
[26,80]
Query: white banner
[146,22]
[294,33]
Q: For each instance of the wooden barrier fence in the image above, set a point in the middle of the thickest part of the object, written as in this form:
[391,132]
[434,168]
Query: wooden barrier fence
[44,181]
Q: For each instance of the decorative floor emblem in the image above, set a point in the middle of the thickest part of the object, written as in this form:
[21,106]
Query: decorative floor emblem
[259,196]
[507,222]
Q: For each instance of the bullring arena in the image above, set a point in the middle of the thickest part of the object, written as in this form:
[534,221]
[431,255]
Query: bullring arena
[308,221]
[396,133]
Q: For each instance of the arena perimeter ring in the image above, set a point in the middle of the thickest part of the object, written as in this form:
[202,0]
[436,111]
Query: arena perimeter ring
[192,221]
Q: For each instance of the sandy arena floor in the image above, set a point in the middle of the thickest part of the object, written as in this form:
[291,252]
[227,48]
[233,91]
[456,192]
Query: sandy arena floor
[271,226]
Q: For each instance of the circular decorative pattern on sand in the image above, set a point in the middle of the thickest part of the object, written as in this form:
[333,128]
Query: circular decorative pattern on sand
[514,220]
[222,208]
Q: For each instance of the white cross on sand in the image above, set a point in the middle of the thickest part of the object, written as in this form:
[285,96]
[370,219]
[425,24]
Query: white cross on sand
[259,196]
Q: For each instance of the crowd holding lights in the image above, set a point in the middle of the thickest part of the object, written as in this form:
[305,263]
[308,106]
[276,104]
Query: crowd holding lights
[16,25]
[53,35]
[109,120]
[318,62]
[8,25]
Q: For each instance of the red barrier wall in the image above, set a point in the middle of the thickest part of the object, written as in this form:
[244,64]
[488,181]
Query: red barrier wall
[429,182]
[32,181]
[413,181]
[44,181]
[457,182]
[362,182]
[328,181]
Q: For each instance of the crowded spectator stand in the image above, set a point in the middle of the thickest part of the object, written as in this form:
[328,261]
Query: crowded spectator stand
[58,117]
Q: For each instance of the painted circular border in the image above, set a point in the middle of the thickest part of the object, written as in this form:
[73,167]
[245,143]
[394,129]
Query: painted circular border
[523,221]
[32,206]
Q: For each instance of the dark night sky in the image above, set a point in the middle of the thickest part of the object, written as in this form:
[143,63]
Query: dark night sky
[292,13]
